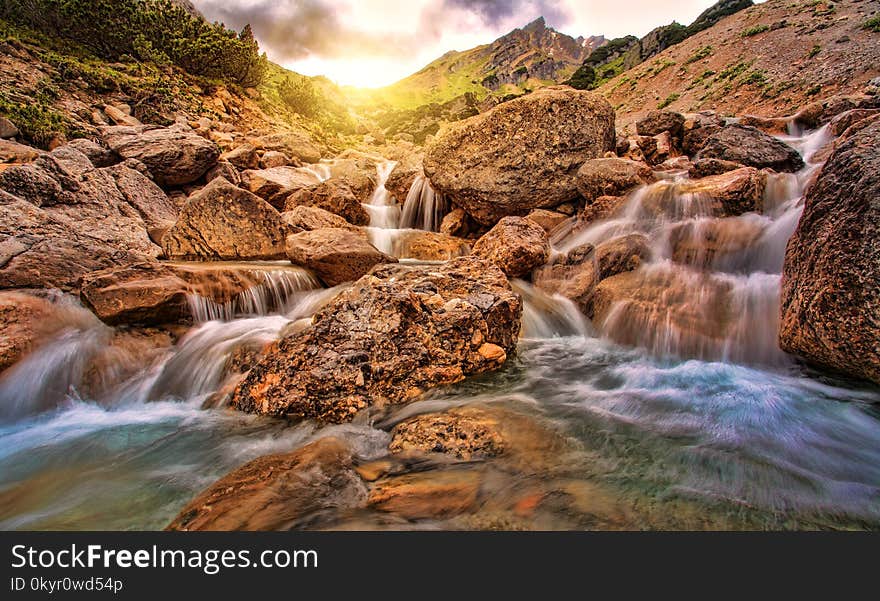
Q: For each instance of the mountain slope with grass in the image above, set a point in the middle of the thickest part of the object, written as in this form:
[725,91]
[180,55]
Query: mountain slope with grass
[767,60]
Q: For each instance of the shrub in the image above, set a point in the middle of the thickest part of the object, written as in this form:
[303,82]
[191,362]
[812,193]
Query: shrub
[668,100]
[814,51]
[699,55]
[583,79]
[159,31]
[752,31]
[300,95]
[873,24]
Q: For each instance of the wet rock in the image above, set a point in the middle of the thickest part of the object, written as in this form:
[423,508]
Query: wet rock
[465,433]
[777,126]
[728,194]
[314,218]
[25,320]
[680,163]
[622,254]
[707,167]
[843,121]
[358,172]
[516,244]
[224,222]
[273,158]
[705,243]
[146,293]
[611,177]
[401,178]
[387,339]
[291,143]
[457,223]
[243,157]
[430,246]
[7,129]
[831,278]
[276,184]
[175,155]
[275,492]
[601,208]
[658,122]
[751,147]
[522,154]
[335,255]
[334,196]
[435,494]
[548,220]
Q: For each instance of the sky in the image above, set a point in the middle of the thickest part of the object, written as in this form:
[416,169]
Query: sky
[373,43]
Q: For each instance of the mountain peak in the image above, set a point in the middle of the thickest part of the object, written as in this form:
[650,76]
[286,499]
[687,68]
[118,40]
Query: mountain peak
[536,25]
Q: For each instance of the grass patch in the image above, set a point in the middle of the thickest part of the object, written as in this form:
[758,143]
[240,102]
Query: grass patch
[755,78]
[753,31]
[699,55]
[872,24]
[814,51]
[668,100]
[812,91]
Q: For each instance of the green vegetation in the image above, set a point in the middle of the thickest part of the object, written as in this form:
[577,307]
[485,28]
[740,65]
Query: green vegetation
[699,55]
[156,31]
[753,31]
[668,100]
[814,51]
[755,78]
[583,79]
[733,71]
[873,24]
[34,116]
[812,91]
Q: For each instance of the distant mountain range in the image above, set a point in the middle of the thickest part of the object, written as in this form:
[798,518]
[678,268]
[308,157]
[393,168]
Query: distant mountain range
[527,58]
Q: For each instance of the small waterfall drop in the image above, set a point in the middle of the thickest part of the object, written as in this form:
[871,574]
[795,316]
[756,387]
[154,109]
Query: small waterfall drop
[546,316]
[424,208]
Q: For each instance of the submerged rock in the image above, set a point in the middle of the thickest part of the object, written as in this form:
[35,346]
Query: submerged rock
[751,147]
[387,339]
[223,222]
[175,155]
[335,255]
[275,492]
[522,154]
[516,244]
[831,278]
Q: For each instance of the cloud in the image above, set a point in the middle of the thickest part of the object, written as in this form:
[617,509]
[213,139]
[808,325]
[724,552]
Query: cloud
[501,12]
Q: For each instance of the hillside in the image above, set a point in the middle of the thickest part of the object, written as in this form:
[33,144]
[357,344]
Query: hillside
[766,60]
[526,58]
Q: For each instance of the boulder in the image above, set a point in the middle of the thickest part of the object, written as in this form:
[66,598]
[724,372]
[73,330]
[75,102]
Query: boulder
[157,211]
[611,177]
[429,246]
[243,157]
[658,121]
[314,218]
[427,495]
[225,170]
[715,242]
[25,320]
[175,155]
[401,178]
[622,254]
[522,154]
[465,433]
[13,152]
[7,129]
[224,222]
[752,147]
[601,208]
[843,121]
[276,184]
[548,220]
[831,278]
[276,492]
[516,244]
[725,195]
[99,155]
[273,158]
[707,167]
[776,126]
[291,143]
[121,117]
[387,339]
[358,173]
[335,255]
[334,196]
[146,293]
[457,223]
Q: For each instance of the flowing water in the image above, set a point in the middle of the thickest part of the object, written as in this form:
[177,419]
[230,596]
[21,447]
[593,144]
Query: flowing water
[676,425]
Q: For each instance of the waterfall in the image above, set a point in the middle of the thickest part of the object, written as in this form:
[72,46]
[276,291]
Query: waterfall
[279,289]
[546,316]
[711,288]
[424,208]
